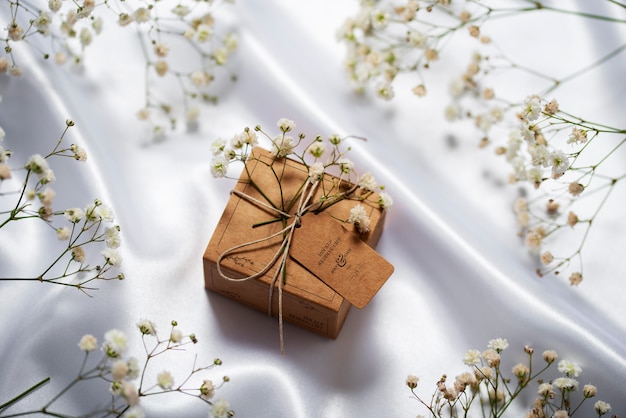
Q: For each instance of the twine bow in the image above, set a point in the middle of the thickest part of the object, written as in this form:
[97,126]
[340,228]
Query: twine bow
[281,254]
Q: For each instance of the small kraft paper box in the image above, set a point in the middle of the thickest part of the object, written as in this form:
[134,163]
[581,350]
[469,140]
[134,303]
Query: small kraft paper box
[330,266]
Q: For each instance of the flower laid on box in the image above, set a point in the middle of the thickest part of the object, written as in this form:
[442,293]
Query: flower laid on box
[296,238]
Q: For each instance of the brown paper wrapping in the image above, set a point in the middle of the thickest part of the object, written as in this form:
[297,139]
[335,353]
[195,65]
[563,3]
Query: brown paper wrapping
[307,301]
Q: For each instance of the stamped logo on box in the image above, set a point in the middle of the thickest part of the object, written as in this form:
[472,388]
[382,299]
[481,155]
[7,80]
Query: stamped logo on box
[340,259]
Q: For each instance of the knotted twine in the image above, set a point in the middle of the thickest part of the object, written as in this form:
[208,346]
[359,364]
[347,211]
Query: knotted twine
[282,253]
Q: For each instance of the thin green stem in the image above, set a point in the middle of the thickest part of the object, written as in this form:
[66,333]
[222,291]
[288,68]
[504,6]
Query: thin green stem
[24,394]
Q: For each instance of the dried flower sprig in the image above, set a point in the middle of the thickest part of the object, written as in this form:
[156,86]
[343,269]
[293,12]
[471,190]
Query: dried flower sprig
[318,156]
[184,46]
[388,38]
[489,389]
[553,151]
[126,382]
[81,228]
[550,149]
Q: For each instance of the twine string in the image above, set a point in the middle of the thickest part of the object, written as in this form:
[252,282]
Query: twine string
[281,253]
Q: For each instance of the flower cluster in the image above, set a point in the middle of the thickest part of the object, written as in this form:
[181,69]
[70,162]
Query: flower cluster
[548,150]
[126,376]
[385,39]
[320,157]
[489,388]
[78,228]
[169,32]
[553,151]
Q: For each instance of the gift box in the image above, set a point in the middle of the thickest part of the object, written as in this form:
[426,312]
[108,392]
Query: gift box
[248,239]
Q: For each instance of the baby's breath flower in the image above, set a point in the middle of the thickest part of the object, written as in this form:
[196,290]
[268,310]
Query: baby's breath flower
[161,49]
[575,188]
[79,255]
[521,371]
[181,10]
[161,67]
[112,236]
[472,357]
[345,165]
[570,368]
[134,412]
[367,182]
[316,171]
[559,162]
[88,343]
[16,32]
[317,149]
[575,278]
[419,90]
[115,343]
[532,108]
[37,164]
[176,335]
[412,381]
[79,153]
[220,55]
[547,257]
[217,146]
[64,233]
[602,407]
[286,125]
[219,166]
[565,383]
[165,380]
[560,414]
[46,196]
[112,256]
[550,356]
[129,393]
[141,15]
[385,200]
[384,89]
[204,33]
[220,409]
[533,240]
[249,137]
[572,219]
[334,139]
[55,5]
[201,78]
[104,212]
[86,37]
[484,373]
[589,391]
[282,146]
[577,136]
[146,327]
[119,369]
[498,344]
[74,215]
[207,390]
[545,389]
[552,107]
[491,357]
[97,25]
[358,216]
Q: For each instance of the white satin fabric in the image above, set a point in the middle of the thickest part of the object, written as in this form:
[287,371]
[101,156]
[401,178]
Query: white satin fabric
[461,274]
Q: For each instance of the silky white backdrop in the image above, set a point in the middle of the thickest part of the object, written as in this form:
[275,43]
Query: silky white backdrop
[461,275]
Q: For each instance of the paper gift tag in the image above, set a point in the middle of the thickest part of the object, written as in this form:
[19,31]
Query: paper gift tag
[339,258]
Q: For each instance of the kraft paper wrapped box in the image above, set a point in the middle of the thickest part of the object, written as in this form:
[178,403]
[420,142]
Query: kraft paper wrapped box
[306,299]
